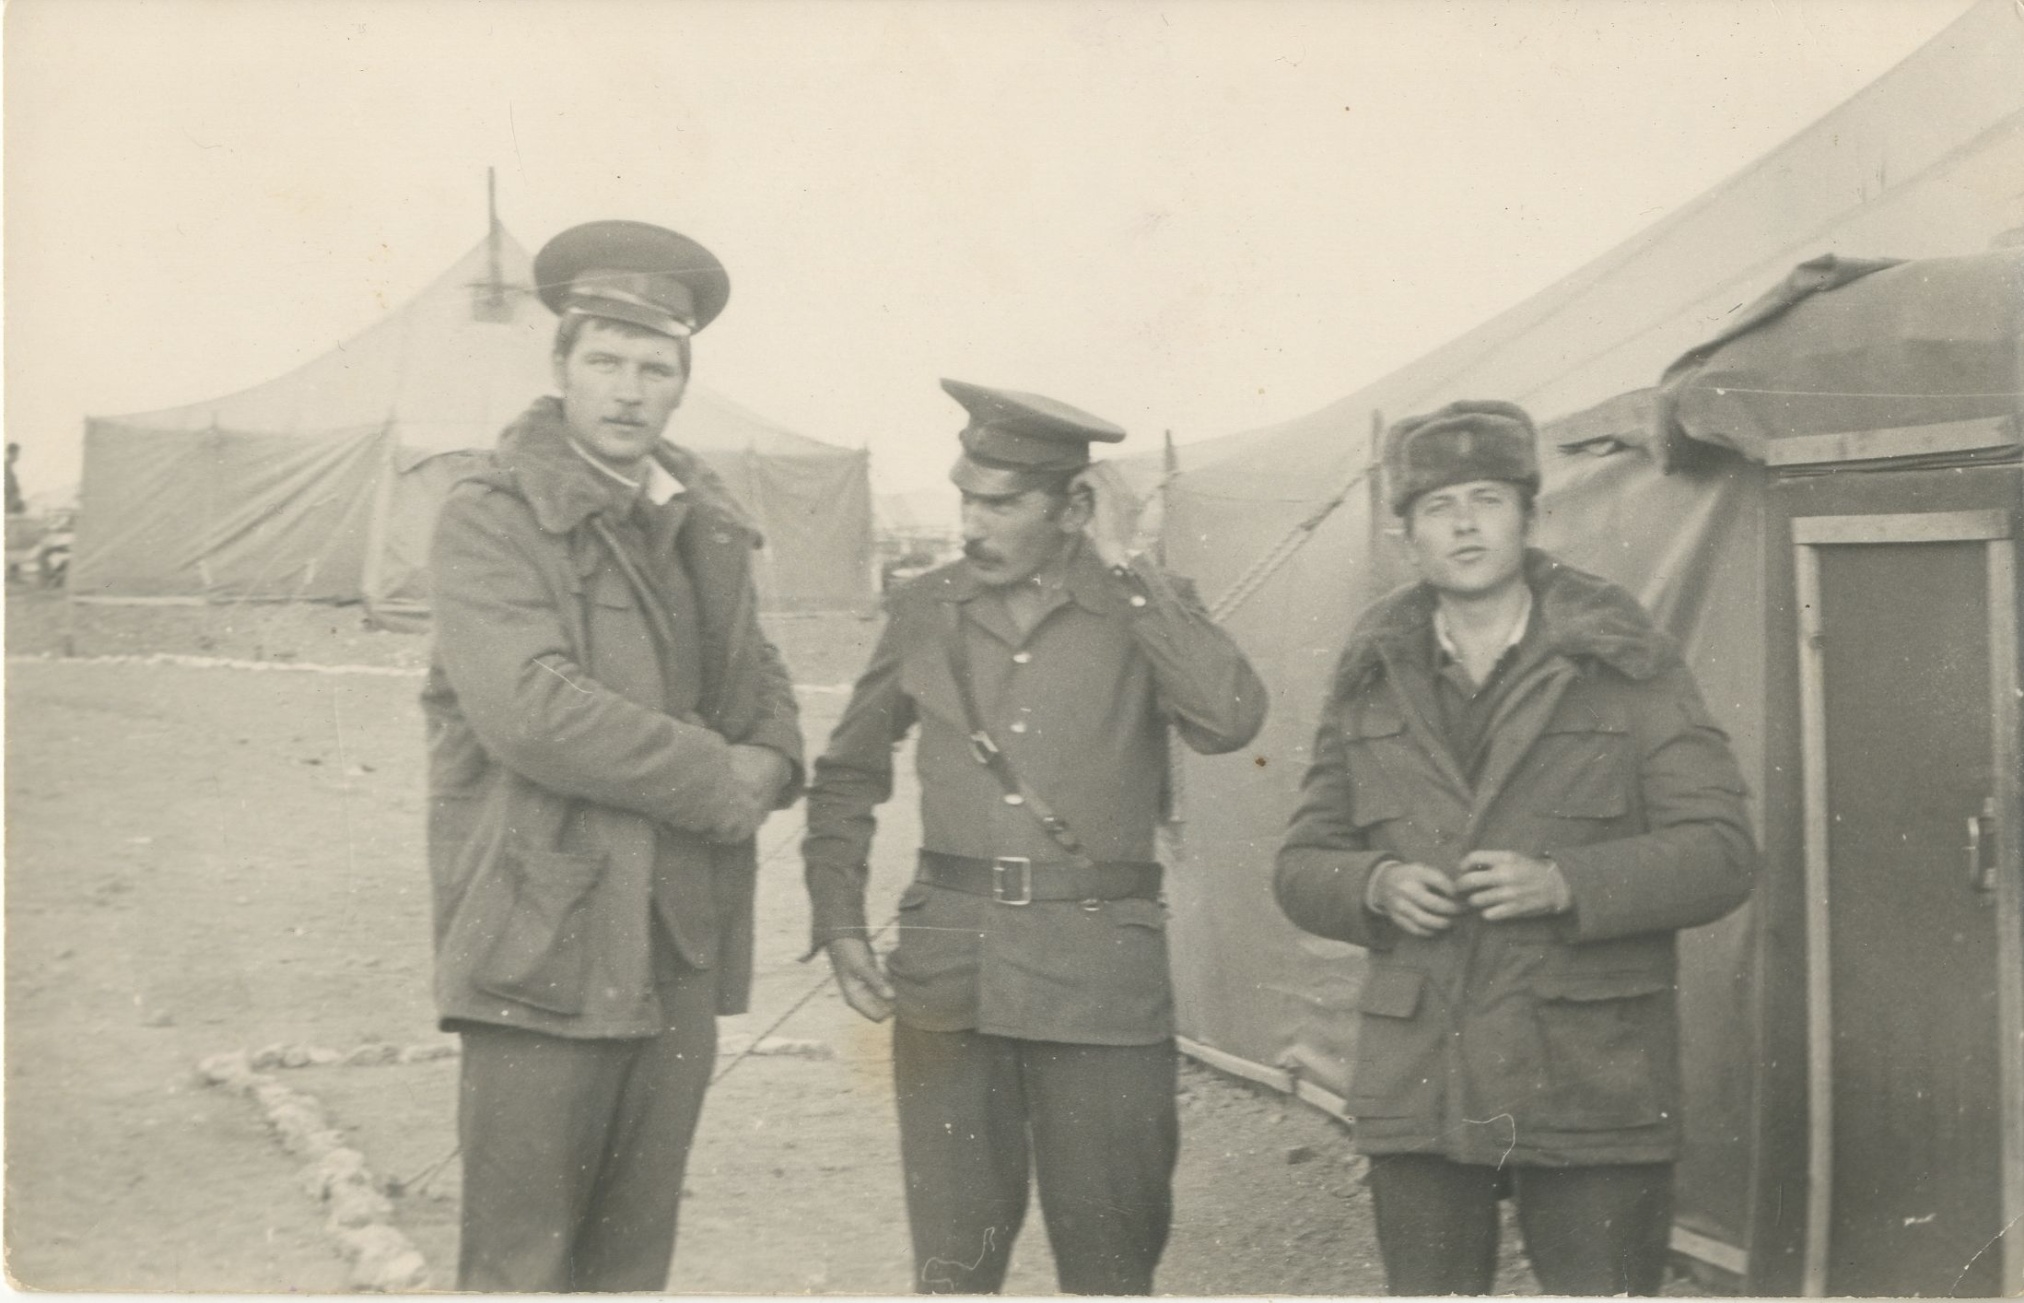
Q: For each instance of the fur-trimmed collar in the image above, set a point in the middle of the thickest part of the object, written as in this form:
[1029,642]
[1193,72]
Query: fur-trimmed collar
[534,459]
[1586,618]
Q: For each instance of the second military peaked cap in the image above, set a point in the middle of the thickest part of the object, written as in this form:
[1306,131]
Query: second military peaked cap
[1018,441]
[635,272]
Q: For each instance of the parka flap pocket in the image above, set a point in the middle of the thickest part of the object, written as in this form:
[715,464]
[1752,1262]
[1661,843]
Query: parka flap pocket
[1578,714]
[913,897]
[1371,732]
[1584,987]
[1587,771]
[541,954]
[1391,992]
[1374,719]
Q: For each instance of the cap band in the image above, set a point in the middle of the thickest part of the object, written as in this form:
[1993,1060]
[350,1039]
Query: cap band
[972,475]
[657,302]
[1006,447]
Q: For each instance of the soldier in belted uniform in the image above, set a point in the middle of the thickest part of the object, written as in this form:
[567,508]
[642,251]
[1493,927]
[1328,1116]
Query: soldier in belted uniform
[1034,1010]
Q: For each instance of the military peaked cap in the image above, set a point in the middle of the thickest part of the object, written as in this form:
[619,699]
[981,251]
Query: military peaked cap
[1018,441]
[632,271]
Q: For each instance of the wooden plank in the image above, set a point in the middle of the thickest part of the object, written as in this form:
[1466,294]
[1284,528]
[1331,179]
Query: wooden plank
[1977,435]
[2008,755]
[1819,991]
[1277,1078]
[1910,527]
[1711,1251]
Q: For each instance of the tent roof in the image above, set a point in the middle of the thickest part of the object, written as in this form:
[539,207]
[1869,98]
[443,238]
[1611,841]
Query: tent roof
[1924,162]
[1842,349]
[450,377]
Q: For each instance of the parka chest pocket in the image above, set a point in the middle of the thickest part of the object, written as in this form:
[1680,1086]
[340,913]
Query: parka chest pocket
[621,654]
[1586,763]
[1378,756]
[607,589]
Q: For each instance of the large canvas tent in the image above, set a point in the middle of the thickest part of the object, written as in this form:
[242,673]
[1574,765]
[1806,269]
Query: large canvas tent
[322,484]
[1283,530]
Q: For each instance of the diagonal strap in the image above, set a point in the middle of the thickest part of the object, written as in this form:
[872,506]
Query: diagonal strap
[991,757]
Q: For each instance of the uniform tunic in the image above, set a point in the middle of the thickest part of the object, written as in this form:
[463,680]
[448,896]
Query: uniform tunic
[1081,706]
[1032,1038]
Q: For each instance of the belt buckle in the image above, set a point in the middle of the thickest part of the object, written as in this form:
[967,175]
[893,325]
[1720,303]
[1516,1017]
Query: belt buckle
[1005,866]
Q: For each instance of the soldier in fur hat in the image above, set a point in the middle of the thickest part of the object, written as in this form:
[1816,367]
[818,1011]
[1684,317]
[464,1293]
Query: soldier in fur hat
[1516,800]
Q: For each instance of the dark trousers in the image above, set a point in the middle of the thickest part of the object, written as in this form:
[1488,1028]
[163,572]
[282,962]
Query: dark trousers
[574,1150]
[1095,1123]
[1588,1230]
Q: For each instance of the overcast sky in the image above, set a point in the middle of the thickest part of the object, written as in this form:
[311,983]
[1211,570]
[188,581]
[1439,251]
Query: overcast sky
[1199,215]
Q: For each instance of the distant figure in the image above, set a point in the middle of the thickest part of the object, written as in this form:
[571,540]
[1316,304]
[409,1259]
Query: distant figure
[16,504]
[608,726]
[1035,1013]
[1516,799]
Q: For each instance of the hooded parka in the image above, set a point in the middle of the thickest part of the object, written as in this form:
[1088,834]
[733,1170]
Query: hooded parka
[570,790]
[1551,1040]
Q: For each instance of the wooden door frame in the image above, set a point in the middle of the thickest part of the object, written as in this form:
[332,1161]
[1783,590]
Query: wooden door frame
[1994,529]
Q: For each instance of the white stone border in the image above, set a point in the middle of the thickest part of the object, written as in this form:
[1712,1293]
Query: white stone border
[190,662]
[219,663]
[335,1175]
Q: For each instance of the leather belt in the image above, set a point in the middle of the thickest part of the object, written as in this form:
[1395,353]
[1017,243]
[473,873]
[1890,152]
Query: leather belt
[1017,880]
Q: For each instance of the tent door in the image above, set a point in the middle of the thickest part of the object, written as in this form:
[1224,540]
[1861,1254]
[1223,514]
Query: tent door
[1909,677]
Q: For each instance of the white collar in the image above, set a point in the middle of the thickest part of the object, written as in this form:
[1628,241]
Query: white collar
[1518,628]
[660,484]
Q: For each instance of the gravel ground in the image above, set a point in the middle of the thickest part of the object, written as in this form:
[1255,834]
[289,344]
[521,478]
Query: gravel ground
[202,860]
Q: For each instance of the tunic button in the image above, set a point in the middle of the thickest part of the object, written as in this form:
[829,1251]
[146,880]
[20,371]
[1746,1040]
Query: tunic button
[1018,726]
[1013,798]
[1137,600]
[1022,657]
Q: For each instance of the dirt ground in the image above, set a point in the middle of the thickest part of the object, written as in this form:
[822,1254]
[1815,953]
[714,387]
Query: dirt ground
[211,859]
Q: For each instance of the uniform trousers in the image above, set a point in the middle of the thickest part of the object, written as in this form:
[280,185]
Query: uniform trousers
[1588,1230]
[574,1150]
[1097,1126]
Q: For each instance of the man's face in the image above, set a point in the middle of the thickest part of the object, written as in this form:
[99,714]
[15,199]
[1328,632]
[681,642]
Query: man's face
[618,390]
[1468,539]
[1012,537]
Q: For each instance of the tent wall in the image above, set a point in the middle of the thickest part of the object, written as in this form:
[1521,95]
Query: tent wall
[816,515]
[815,512]
[217,515]
[322,484]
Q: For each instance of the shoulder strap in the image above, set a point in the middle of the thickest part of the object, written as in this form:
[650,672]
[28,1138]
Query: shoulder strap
[987,752]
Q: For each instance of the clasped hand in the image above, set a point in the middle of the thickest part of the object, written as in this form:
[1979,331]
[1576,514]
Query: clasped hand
[757,775]
[1498,885]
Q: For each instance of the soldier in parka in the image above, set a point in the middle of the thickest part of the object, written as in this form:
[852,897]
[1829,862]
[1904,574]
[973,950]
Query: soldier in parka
[608,726]
[1516,800]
